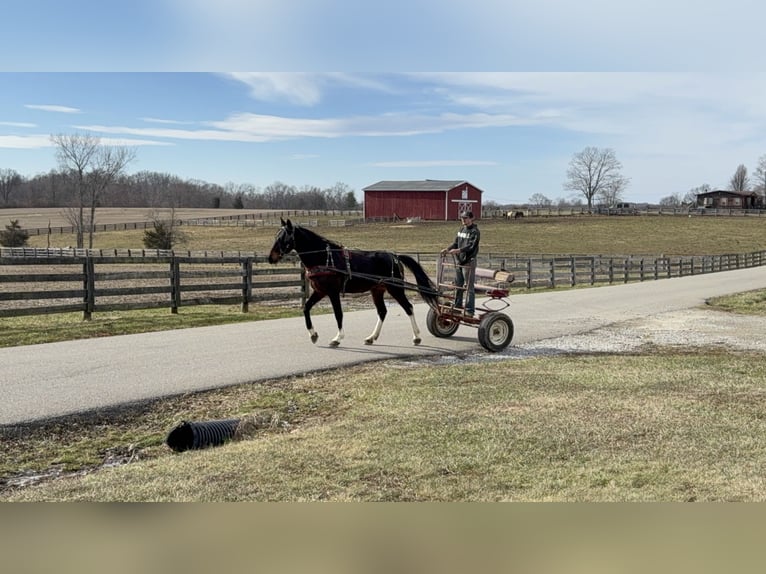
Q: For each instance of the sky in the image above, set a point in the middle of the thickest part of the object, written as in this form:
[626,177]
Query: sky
[673,87]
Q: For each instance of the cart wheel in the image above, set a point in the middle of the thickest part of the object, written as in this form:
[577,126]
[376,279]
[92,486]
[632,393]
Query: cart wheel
[495,331]
[441,325]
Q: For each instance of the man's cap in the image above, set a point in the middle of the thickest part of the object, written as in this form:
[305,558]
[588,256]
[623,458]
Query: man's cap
[466,214]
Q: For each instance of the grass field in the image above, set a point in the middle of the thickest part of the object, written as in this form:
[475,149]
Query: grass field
[653,235]
[657,425]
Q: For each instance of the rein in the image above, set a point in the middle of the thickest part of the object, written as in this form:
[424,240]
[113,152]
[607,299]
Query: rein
[330,268]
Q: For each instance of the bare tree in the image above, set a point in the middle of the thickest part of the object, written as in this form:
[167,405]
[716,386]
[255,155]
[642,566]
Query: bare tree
[691,196]
[760,176]
[539,200]
[739,181]
[10,180]
[673,200]
[596,173]
[92,167]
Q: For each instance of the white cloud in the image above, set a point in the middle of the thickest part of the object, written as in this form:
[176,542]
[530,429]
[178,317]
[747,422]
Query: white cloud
[38,141]
[18,124]
[433,163]
[53,108]
[304,89]
[25,142]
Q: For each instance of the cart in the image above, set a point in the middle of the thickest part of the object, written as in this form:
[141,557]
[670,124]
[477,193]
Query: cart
[495,327]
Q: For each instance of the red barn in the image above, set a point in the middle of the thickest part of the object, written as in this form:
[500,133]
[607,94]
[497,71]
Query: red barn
[430,199]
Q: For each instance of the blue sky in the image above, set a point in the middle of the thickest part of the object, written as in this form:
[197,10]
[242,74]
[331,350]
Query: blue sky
[675,96]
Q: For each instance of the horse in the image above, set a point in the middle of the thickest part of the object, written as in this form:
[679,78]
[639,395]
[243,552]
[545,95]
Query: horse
[334,270]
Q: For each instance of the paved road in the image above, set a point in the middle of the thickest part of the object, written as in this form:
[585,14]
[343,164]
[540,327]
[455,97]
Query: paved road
[55,379]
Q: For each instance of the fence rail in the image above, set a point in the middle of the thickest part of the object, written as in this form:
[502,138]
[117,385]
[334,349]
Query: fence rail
[41,281]
[57,283]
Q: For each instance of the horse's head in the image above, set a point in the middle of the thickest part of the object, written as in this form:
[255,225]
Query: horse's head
[284,242]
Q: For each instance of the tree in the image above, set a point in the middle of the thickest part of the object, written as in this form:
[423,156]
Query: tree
[10,180]
[92,167]
[760,176]
[14,235]
[164,233]
[540,200]
[674,200]
[595,173]
[739,181]
[691,196]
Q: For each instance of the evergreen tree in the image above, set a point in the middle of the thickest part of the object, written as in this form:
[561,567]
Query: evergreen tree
[14,235]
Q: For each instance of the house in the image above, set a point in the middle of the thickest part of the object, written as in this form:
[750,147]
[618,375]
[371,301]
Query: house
[722,199]
[428,199]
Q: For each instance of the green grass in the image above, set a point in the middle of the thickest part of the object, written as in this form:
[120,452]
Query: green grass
[749,302]
[35,329]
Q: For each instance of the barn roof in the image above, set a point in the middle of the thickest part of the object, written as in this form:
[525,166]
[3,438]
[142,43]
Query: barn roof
[417,185]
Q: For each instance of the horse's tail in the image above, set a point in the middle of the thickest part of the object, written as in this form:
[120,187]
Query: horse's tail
[426,287]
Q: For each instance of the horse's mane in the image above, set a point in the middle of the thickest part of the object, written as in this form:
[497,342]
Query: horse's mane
[316,236]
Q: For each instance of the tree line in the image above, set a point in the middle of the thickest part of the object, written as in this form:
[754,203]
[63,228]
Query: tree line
[595,176]
[91,174]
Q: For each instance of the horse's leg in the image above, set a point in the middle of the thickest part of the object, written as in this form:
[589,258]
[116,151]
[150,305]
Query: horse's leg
[315,297]
[401,297]
[338,310]
[380,305]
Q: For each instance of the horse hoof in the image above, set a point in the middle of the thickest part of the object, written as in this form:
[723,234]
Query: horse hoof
[416,341]
[369,341]
[334,343]
[314,338]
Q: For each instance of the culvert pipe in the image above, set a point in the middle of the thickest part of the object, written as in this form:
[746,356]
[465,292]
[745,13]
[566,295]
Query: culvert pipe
[196,435]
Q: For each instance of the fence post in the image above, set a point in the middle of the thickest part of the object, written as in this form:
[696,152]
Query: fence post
[175,285]
[89,288]
[573,271]
[553,273]
[529,273]
[247,283]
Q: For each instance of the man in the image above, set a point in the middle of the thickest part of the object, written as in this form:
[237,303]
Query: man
[465,248]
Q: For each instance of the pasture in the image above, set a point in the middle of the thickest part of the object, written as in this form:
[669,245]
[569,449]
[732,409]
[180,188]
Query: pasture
[661,424]
[642,235]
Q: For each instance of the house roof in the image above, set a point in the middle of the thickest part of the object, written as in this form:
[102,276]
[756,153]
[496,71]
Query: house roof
[417,185]
[727,192]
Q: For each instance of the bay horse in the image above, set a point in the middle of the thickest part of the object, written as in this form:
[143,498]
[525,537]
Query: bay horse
[334,270]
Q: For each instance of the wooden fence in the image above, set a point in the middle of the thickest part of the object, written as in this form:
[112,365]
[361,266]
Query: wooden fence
[58,283]
[264,219]
[41,281]
[572,270]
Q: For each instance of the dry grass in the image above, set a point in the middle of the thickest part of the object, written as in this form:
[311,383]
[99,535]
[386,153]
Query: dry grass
[655,426]
[651,427]
[584,235]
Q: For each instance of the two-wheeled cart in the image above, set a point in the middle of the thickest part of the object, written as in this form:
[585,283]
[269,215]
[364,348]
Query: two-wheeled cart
[495,327]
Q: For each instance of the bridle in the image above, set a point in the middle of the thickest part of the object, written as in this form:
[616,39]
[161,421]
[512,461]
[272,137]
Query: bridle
[285,238]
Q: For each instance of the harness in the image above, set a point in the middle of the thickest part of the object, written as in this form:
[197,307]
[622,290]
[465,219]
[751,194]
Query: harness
[330,268]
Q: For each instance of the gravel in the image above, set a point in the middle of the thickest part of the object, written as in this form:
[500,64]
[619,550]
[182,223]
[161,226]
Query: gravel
[688,328]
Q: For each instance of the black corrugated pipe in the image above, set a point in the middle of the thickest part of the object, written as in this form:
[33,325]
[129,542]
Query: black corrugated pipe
[189,435]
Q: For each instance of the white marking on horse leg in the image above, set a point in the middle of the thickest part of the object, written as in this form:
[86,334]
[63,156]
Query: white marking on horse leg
[338,338]
[375,333]
[314,335]
[415,330]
